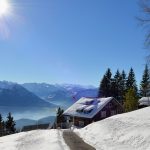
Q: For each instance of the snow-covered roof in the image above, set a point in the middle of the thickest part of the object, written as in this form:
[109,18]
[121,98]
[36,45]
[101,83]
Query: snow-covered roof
[87,107]
[144,101]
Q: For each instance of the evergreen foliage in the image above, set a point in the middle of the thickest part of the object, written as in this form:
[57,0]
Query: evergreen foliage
[116,85]
[1,123]
[123,81]
[144,86]
[131,81]
[105,85]
[7,127]
[131,100]
[59,117]
[10,124]
[123,86]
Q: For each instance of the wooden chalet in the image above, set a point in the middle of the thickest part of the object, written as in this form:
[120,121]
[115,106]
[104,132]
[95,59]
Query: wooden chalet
[88,110]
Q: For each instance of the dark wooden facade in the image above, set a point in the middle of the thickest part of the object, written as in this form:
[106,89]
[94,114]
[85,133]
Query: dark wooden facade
[110,109]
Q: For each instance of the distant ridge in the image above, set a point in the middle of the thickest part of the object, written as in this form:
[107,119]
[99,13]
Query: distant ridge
[61,94]
[13,94]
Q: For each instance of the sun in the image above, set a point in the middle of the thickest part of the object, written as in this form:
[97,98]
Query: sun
[4,7]
[9,17]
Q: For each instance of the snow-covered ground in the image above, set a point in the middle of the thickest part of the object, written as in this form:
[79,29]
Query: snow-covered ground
[34,140]
[129,131]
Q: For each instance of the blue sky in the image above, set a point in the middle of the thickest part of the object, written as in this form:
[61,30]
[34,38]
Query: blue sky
[71,41]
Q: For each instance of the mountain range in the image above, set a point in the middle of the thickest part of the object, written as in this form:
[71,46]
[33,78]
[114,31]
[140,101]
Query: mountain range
[61,94]
[33,101]
[13,94]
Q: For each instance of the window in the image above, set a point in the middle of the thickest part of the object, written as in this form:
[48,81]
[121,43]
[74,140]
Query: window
[110,105]
[103,114]
[68,119]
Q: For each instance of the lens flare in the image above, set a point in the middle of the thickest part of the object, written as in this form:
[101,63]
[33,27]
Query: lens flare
[5,7]
[8,17]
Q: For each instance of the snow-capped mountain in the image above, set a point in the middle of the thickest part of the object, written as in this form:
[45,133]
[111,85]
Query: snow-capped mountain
[13,94]
[7,84]
[37,100]
[61,94]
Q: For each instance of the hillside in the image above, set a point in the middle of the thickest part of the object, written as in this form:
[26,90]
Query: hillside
[129,131]
[13,94]
[60,94]
[25,122]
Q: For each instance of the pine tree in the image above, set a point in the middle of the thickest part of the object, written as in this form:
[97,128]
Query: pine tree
[123,80]
[1,122]
[59,117]
[105,85]
[10,124]
[144,86]
[131,100]
[2,126]
[116,85]
[131,82]
[114,89]
[123,86]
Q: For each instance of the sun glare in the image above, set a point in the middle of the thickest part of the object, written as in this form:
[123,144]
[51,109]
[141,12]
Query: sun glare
[8,17]
[4,7]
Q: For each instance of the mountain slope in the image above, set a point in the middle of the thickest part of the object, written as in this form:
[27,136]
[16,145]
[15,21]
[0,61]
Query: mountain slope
[129,131]
[25,122]
[60,94]
[13,94]
[49,119]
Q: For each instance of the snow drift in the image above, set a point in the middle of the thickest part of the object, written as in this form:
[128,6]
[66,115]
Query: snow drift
[34,140]
[129,131]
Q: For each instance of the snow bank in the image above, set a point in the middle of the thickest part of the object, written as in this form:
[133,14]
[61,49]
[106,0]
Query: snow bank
[129,131]
[34,140]
[144,101]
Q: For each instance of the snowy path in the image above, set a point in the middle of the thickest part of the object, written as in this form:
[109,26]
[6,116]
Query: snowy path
[75,142]
[34,140]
